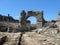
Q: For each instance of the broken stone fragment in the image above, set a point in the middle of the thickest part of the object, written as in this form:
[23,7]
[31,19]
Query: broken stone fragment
[2,39]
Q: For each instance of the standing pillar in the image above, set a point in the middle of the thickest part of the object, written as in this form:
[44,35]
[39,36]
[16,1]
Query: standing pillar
[58,23]
[40,20]
[59,16]
[23,20]
[8,23]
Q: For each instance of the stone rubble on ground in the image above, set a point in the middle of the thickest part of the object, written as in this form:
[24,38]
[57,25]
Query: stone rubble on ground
[48,36]
[44,36]
[12,38]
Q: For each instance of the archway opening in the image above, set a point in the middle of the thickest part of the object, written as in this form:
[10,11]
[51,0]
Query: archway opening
[32,19]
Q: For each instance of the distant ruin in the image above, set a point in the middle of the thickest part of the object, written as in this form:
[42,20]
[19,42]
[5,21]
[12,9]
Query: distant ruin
[8,22]
[7,18]
[25,16]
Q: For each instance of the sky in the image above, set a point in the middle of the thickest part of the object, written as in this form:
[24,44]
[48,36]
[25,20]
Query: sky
[14,8]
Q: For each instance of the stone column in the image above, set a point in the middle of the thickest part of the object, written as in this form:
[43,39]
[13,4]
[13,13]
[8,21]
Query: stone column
[58,23]
[40,22]
[23,20]
[59,15]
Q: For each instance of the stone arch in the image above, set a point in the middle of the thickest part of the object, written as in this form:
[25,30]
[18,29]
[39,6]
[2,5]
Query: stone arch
[37,14]
[39,17]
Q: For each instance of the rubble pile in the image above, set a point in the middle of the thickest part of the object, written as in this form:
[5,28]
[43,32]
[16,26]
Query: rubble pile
[48,37]
[10,38]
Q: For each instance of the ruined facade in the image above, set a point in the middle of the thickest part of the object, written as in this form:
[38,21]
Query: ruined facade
[37,14]
[7,22]
[24,24]
[7,18]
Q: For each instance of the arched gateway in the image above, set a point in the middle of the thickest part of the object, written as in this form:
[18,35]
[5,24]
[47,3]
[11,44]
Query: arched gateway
[38,15]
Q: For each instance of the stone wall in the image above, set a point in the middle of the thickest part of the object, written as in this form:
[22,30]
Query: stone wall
[7,18]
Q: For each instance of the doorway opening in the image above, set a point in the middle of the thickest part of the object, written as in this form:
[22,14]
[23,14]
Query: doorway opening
[32,19]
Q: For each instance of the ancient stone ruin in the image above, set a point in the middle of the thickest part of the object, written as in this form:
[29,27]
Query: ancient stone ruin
[24,23]
[25,16]
[22,32]
[8,23]
[7,18]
